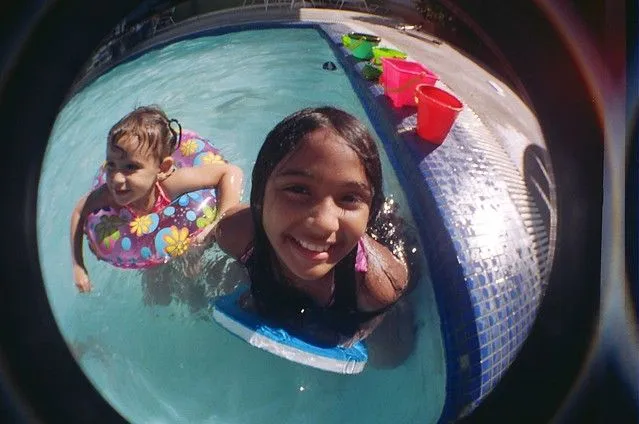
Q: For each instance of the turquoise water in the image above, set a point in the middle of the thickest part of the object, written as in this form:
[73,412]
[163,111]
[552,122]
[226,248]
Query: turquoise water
[166,363]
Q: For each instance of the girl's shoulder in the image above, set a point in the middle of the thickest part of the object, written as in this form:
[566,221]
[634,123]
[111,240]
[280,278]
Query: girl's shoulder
[98,198]
[385,279]
[234,231]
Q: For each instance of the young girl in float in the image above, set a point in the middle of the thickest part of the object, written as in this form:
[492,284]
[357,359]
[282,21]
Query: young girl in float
[154,197]
[305,239]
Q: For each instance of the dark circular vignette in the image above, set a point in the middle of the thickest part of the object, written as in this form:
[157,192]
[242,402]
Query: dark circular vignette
[46,43]
[632,160]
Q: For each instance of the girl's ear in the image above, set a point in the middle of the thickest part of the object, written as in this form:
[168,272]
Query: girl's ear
[166,168]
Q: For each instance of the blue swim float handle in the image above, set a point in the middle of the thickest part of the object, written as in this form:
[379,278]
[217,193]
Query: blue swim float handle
[251,328]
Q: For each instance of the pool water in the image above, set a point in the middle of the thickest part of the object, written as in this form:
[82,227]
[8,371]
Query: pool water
[159,362]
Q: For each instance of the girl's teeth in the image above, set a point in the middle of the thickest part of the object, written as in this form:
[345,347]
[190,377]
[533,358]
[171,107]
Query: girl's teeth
[313,247]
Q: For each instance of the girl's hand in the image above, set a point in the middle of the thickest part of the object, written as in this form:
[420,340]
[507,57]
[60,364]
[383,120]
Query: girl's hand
[206,236]
[81,279]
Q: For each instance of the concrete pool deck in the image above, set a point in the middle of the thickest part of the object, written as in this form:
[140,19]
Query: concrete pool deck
[492,100]
[491,243]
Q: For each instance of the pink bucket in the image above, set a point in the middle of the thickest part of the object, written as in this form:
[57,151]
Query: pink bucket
[400,77]
[437,110]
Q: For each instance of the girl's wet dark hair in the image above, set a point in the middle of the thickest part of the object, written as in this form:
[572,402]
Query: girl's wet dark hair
[290,134]
[153,130]
[272,295]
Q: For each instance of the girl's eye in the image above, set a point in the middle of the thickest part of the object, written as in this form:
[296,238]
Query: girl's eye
[296,189]
[351,200]
[110,165]
[132,167]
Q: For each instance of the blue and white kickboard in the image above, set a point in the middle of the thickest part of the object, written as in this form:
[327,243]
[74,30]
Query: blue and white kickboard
[250,328]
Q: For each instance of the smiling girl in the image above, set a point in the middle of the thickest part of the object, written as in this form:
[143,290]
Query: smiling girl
[305,239]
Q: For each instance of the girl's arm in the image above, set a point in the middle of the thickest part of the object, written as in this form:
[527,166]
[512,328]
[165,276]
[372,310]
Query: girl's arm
[364,331]
[85,205]
[226,178]
[385,280]
[234,231]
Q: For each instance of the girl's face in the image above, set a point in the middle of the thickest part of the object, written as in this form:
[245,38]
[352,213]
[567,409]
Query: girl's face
[131,174]
[316,206]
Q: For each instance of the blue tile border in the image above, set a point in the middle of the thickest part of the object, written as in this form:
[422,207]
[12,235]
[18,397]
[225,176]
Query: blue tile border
[469,201]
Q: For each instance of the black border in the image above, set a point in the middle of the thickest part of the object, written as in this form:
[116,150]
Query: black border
[632,159]
[48,43]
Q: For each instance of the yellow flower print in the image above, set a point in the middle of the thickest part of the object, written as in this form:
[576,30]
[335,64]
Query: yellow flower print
[178,241]
[188,147]
[211,157]
[140,225]
[207,218]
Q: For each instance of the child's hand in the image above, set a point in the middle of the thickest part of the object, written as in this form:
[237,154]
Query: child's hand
[206,236]
[81,279]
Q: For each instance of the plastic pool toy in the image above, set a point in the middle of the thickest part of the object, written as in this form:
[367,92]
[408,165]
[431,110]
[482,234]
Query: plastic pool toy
[380,52]
[128,241]
[401,77]
[251,328]
[371,71]
[436,112]
[360,45]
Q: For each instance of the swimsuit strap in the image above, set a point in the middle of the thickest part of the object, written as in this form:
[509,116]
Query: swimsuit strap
[162,200]
[247,254]
[361,263]
[345,292]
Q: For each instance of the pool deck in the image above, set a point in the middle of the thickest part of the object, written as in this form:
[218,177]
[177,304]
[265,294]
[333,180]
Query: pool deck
[493,101]
[485,196]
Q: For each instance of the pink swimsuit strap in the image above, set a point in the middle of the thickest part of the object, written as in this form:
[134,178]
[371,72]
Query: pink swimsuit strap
[361,264]
[161,201]
[247,254]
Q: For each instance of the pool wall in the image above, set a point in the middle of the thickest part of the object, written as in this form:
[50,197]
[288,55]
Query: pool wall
[488,245]
[489,276]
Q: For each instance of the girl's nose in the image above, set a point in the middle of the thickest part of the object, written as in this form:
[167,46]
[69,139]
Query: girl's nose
[325,217]
[117,177]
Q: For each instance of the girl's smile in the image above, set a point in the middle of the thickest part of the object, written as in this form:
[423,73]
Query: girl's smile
[312,251]
[131,175]
[316,206]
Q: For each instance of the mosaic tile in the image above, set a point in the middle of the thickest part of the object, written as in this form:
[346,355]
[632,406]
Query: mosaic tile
[485,242]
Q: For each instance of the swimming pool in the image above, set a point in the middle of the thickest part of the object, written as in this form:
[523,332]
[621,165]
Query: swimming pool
[158,363]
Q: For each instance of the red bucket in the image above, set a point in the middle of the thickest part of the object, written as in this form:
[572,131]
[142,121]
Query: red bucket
[436,112]
[400,77]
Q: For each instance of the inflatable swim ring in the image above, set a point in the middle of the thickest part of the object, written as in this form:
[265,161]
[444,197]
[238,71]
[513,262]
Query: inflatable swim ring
[252,329]
[128,241]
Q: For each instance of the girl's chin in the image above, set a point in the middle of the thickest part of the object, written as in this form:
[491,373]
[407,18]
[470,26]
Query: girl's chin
[309,275]
[122,198]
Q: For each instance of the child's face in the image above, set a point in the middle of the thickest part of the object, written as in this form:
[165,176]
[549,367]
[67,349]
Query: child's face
[316,206]
[131,174]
